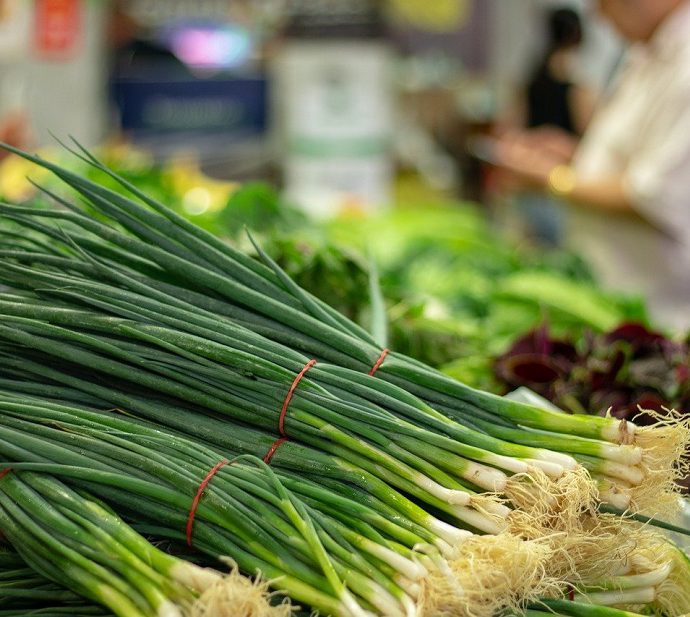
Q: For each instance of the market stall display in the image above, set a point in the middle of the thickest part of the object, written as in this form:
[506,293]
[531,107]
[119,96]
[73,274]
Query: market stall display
[147,353]
[69,538]
[457,291]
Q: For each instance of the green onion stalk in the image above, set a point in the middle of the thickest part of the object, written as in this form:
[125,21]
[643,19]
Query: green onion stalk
[246,514]
[392,564]
[77,542]
[152,246]
[472,456]
[23,590]
[575,609]
[234,382]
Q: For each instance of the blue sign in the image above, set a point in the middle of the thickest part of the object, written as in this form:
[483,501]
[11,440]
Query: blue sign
[236,107]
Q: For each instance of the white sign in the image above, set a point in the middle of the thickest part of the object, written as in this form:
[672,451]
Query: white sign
[334,103]
[15,18]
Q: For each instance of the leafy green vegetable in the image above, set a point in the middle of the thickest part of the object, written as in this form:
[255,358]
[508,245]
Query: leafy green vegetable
[559,297]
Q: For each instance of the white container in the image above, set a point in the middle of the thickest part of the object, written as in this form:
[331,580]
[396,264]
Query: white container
[15,21]
[333,113]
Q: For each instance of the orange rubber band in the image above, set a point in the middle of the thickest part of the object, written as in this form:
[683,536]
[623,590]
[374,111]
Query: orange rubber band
[379,362]
[200,491]
[288,398]
[276,444]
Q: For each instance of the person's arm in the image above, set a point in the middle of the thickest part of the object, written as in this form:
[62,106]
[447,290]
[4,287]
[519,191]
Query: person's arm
[607,194]
[544,169]
[582,101]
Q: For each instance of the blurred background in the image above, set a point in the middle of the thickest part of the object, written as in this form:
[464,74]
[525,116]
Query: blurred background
[359,140]
[333,100]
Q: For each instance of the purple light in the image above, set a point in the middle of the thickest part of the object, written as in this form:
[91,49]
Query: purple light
[211,47]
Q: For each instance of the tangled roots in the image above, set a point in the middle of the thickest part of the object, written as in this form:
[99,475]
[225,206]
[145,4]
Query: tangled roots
[562,513]
[238,596]
[486,575]
[665,460]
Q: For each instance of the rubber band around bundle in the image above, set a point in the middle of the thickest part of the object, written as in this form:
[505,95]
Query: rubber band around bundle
[200,491]
[379,362]
[571,593]
[272,450]
[288,398]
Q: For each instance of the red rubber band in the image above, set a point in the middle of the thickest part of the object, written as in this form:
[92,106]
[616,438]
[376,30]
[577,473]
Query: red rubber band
[571,594]
[288,398]
[276,444]
[200,491]
[379,362]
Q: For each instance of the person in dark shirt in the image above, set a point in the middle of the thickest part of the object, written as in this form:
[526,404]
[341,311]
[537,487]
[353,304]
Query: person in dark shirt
[556,105]
[626,182]
[551,93]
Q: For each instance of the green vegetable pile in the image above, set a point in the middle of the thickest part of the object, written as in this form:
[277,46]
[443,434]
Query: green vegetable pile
[457,292]
[152,375]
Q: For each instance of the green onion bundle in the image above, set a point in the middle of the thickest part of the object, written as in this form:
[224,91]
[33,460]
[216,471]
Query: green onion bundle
[77,542]
[391,564]
[233,382]
[150,246]
[301,468]
[185,322]
[23,590]
[137,309]
[166,469]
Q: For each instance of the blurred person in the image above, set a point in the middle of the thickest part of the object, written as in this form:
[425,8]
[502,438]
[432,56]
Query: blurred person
[627,181]
[555,97]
